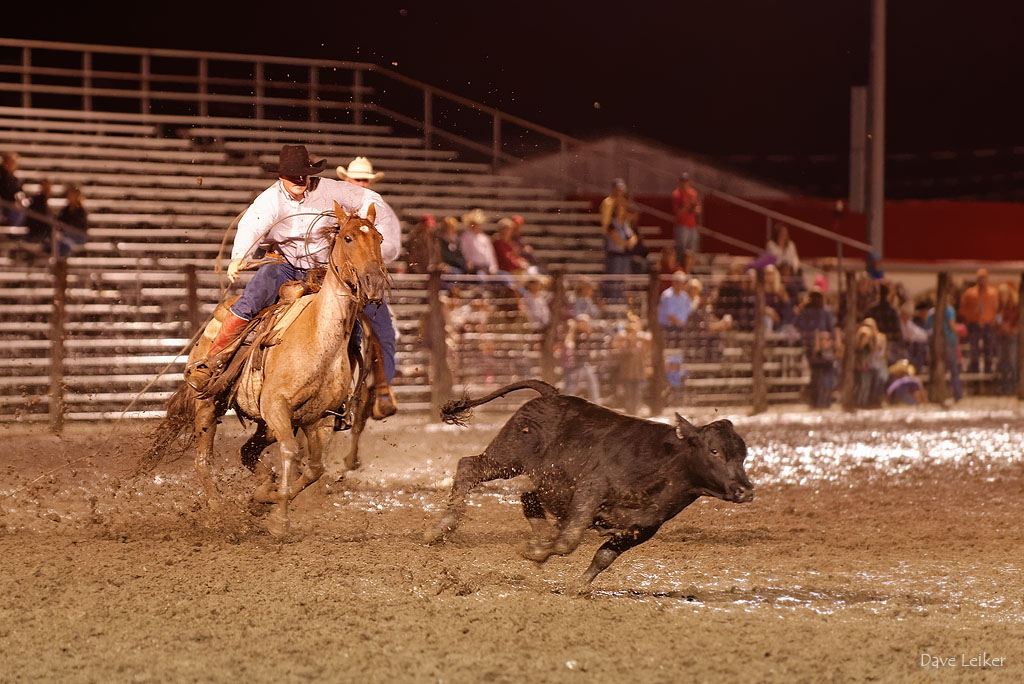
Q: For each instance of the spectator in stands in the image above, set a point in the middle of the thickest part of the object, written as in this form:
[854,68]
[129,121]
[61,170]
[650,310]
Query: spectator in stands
[585,301]
[359,172]
[74,215]
[39,231]
[668,264]
[1007,322]
[674,305]
[871,365]
[506,250]
[822,345]
[686,209]
[452,257]
[424,249]
[736,297]
[701,338]
[952,342]
[620,239]
[887,318]
[578,350]
[777,299]
[525,250]
[10,190]
[783,248]
[610,204]
[476,246]
[914,335]
[978,306]
[904,386]
[277,217]
[632,352]
[535,303]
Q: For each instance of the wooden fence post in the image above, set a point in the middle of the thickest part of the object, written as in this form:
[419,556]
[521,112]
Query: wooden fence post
[759,399]
[441,386]
[938,392]
[849,343]
[60,284]
[547,352]
[1020,339]
[658,380]
[195,318]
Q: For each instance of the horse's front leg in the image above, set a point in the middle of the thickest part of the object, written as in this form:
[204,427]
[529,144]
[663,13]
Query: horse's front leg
[205,430]
[278,418]
[317,436]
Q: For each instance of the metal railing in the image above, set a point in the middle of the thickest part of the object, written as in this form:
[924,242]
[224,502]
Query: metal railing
[220,84]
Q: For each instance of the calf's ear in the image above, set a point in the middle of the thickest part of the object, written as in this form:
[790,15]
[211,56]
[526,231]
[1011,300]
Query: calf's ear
[684,429]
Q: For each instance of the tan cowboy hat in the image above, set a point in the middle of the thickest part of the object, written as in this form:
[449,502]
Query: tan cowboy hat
[359,169]
[476,216]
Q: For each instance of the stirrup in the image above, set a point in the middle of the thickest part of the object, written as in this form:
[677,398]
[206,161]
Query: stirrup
[343,421]
[384,403]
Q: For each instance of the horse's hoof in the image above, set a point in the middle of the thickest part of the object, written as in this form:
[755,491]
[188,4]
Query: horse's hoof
[277,523]
[265,493]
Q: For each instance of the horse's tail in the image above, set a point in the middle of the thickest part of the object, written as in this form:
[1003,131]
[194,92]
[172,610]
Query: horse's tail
[179,419]
[457,412]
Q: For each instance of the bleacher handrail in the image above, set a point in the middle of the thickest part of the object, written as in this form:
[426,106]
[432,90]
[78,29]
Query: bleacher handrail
[425,123]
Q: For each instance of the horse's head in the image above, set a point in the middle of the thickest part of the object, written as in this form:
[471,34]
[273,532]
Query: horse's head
[355,254]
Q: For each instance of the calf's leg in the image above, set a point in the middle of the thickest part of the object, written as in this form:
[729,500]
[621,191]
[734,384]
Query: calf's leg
[539,526]
[612,548]
[471,471]
[585,502]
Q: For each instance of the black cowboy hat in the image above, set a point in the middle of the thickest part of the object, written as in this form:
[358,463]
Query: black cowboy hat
[294,161]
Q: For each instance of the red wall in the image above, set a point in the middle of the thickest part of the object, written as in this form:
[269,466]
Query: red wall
[929,230]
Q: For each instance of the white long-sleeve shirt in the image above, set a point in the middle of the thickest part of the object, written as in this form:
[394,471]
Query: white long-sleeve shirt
[291,235]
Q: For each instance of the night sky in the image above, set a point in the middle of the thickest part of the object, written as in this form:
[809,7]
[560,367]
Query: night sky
[721,78]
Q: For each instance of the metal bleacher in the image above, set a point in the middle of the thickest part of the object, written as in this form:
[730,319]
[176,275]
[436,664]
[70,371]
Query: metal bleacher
[163,187]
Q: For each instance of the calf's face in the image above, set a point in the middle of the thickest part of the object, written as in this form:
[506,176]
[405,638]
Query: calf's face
[716,460]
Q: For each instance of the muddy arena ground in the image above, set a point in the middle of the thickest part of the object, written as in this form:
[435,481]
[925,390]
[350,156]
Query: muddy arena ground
[882,546]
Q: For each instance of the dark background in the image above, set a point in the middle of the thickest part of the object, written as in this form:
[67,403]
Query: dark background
[734,79]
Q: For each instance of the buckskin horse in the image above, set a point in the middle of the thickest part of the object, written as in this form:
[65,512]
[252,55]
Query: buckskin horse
[307,378]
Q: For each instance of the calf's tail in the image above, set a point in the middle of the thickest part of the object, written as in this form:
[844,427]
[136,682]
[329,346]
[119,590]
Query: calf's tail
[179,419]
[458,412]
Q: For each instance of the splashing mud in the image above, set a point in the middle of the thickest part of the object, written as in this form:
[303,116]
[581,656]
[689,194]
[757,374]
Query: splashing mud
[875,539]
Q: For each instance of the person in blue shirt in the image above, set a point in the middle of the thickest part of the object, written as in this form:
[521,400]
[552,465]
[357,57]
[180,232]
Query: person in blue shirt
[675,304]
[952,359]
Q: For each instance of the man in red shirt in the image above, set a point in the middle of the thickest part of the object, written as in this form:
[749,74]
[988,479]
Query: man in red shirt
[686,207]
[979,305]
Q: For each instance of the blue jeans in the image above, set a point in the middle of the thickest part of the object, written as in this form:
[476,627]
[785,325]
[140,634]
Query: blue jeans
[261,292]
[953,366]
[686,239]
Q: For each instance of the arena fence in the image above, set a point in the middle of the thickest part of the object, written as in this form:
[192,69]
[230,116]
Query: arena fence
[79,344]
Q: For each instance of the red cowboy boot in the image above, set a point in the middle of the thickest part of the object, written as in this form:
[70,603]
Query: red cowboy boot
[230,328]
[199,374]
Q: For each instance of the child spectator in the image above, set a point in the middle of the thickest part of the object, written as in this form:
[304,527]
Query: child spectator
[978,306]
[535,305]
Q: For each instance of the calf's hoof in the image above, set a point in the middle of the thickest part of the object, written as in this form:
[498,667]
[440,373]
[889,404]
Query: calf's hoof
[537,551]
